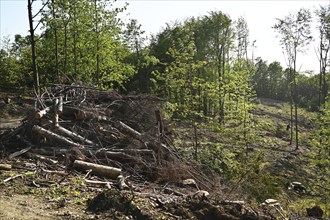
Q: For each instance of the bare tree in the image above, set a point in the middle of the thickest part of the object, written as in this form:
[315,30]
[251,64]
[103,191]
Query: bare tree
[33,48]
[33,41]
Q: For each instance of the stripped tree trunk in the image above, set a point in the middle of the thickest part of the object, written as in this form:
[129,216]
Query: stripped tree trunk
[33,49]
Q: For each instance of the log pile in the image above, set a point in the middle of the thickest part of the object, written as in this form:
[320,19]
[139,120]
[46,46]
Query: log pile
[85,128]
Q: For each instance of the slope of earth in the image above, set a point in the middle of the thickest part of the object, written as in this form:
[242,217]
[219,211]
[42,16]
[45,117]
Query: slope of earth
[287,162]
[269,165]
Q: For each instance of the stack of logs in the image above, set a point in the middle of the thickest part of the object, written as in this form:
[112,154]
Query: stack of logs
[90,129]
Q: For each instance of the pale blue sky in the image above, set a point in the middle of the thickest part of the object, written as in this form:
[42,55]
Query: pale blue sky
[260,15]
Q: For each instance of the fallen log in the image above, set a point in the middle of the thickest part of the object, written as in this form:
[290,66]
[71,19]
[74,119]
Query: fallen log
[74,135]
[97,169]
[133,151]
[5,166]
[42,158]
[115,155]
[42,113]
[98,183]
[43,132]
[18,153]
[121,126]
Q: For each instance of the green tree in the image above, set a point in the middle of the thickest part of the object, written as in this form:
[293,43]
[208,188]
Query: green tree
[87,37]
[242,36]
[295,33]
[275,72]
[219,28]
[261,78]
[15,60]
[140,58]
[323,14]
[320,157]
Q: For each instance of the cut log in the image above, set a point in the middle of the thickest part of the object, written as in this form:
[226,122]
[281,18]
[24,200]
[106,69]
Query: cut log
[130,131]
[5,166]
[42,113]
[74,135]
[43,132]
[97,169]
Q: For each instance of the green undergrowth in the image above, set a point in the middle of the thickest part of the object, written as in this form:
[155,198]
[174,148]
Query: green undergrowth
[259,163]
[73,189]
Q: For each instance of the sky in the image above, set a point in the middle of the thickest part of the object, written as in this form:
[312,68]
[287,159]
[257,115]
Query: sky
[154,14]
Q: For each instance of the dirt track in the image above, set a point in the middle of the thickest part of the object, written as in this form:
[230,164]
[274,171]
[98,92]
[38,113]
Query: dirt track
[26,207]
[23,207]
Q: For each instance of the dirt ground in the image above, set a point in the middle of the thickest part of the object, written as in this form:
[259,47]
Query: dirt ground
[26,207]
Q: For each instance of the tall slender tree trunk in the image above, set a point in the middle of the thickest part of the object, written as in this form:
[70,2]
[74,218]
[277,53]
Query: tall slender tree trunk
[295,98]
[75,40]
[33,49]
[97,76]
[222,107]
[196,141]
[244,124]
[291,121]
[324,69]
[219,58]
[65,48]
[320,80]
[56,43]
[291,104]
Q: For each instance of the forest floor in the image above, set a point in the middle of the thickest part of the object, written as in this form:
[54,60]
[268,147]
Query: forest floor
[23,198]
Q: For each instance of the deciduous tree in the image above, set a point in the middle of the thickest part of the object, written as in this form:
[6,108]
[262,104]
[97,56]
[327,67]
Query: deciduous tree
[294,33]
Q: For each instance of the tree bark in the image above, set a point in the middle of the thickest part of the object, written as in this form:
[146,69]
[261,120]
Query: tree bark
[74,135]
[43,132]
[33,49]
[97,169]
[295,97]
[56,44]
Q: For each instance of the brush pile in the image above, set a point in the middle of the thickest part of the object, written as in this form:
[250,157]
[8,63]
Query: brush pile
[88,128]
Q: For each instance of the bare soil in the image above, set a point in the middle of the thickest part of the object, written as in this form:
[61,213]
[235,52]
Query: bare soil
[26,207]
